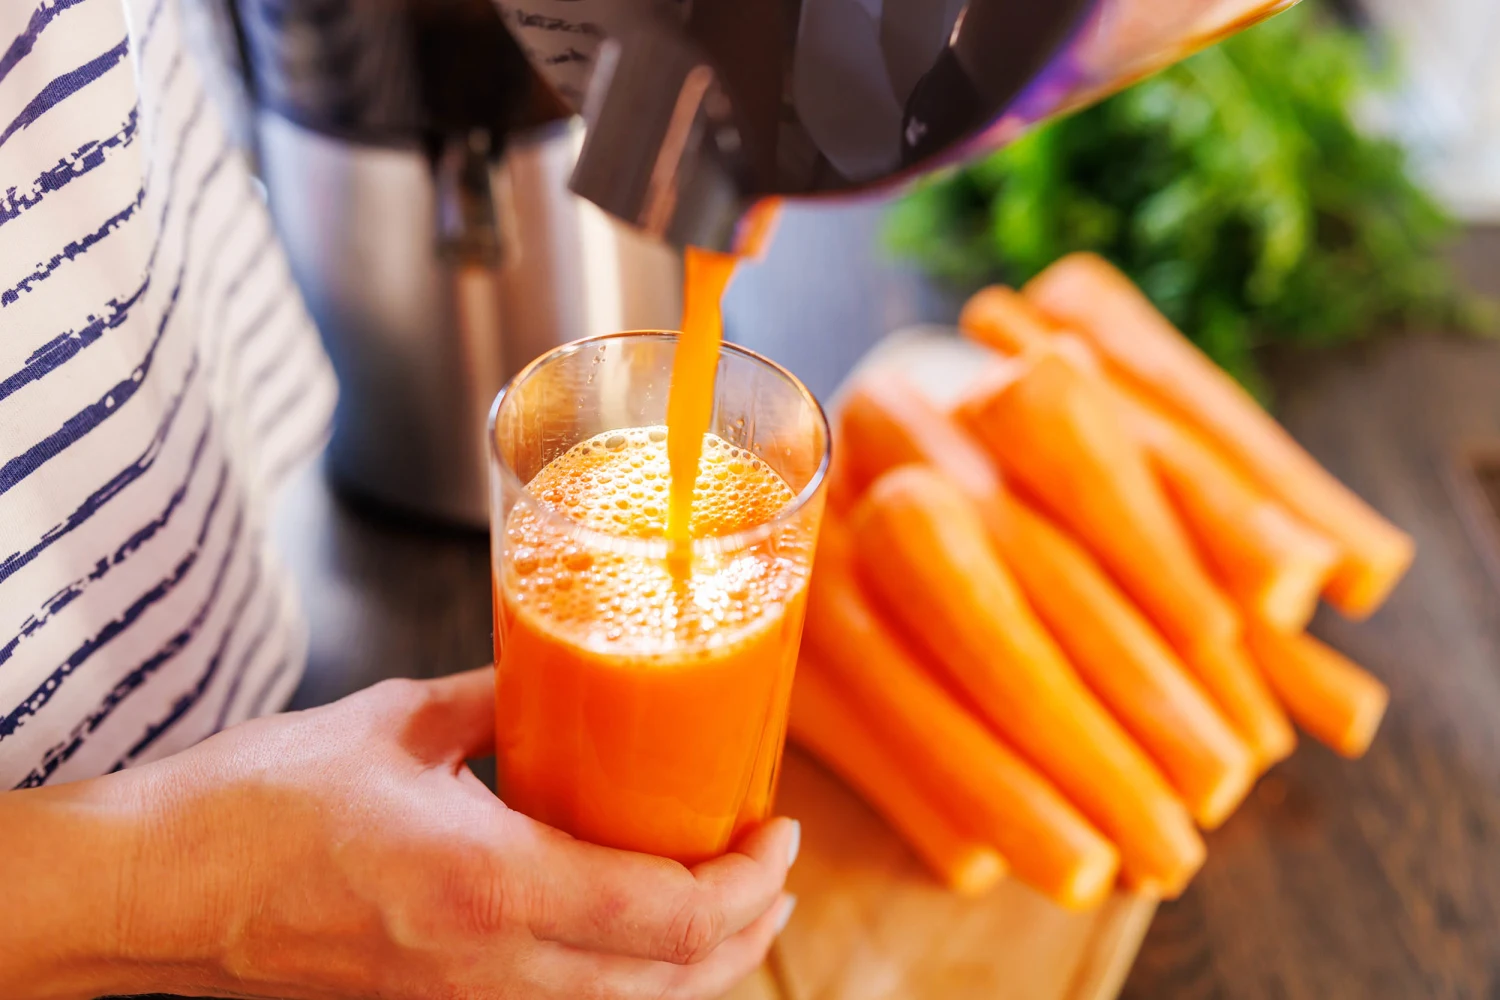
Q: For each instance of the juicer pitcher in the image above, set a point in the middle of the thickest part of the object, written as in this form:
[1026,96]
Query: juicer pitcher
[696,108]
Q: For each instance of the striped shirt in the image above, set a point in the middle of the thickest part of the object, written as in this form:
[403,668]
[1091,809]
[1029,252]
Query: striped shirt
[158,376]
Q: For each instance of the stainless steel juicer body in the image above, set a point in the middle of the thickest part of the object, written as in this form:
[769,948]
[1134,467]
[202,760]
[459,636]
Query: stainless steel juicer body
[417,175]
[425,319]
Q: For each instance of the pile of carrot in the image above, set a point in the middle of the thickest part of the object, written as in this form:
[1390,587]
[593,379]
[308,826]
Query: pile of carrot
[1060,628]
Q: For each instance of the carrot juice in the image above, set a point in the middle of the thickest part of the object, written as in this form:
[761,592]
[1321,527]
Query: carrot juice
[639,707]
[656,508]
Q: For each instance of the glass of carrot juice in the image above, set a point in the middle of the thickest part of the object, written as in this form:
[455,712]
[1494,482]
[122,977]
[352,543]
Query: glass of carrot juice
[642,684]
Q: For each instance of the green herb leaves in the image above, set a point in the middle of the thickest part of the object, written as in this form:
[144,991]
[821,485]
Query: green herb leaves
[1236,188]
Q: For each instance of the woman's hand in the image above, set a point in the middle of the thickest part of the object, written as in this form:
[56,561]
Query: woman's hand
[347,851]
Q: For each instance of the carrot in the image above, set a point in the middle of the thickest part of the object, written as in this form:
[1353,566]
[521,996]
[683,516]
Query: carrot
[1003,319]
[840,489]
[993,794]
[923,547]
[1240,690]
[834,732]
[1086,293]
[1336,701]
[1127,663]
[887,422]
[1053,430]
[1009,323]
[1270,562]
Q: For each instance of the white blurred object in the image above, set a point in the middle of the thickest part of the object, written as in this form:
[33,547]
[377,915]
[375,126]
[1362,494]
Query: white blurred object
[1448,109]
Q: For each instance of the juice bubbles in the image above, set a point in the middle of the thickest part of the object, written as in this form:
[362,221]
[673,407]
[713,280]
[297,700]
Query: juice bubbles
[641,696]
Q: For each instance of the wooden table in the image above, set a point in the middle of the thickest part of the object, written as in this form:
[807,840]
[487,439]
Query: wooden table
[1374,879]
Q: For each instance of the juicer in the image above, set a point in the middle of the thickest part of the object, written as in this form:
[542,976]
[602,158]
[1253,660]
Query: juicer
[697,108]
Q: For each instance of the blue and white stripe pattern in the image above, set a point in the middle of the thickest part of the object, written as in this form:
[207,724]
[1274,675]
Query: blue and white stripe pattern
[158,377]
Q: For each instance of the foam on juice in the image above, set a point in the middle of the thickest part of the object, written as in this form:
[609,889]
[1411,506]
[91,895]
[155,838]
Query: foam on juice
[626,604]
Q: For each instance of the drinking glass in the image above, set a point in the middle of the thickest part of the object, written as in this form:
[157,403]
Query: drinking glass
[664,738]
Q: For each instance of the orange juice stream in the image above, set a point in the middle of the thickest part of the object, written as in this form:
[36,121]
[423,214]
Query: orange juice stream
[690,405]
[642,700]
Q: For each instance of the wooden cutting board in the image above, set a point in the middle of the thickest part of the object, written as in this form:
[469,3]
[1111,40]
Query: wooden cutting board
[871,924]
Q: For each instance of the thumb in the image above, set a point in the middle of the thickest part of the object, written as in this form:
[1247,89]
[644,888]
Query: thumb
[456,718]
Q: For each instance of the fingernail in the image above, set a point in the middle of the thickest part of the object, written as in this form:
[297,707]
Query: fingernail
[795,845]
[788,906]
